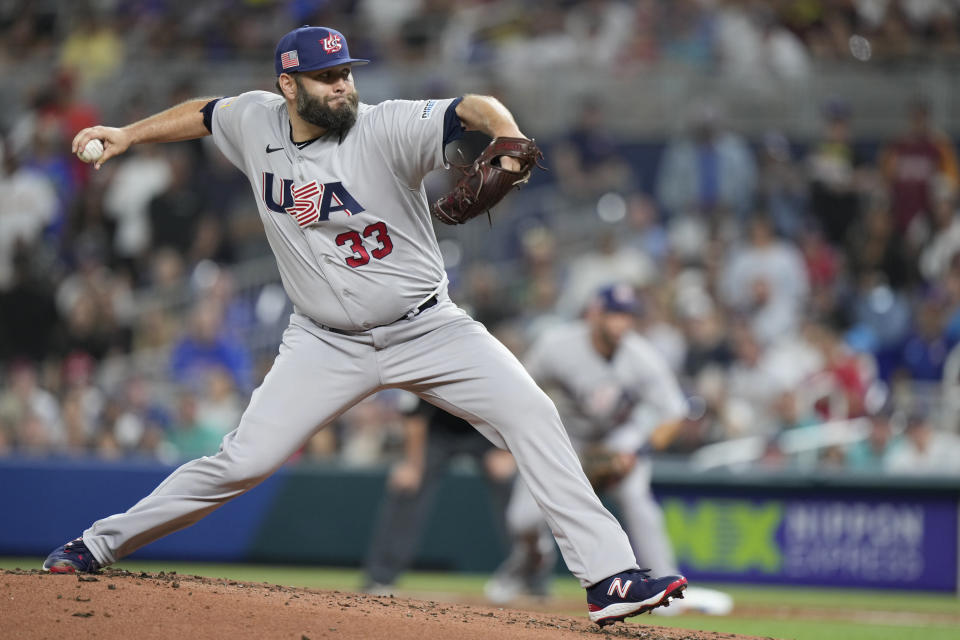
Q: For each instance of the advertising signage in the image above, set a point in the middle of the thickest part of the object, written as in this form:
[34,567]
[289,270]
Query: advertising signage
[856,540]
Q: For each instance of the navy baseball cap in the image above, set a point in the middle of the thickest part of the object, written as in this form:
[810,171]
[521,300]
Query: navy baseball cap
[310,48]
[618,298]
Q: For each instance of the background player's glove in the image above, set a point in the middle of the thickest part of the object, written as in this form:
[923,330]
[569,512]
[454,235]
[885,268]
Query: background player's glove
[605,467]
[485,182]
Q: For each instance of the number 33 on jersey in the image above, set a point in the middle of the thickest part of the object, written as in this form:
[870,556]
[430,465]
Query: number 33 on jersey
[313,203]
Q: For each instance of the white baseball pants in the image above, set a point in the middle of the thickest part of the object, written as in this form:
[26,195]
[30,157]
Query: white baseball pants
[442,355]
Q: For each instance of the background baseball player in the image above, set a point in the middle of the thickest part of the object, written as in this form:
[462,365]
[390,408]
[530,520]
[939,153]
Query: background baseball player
[619,399]
[339,190]
[433,439]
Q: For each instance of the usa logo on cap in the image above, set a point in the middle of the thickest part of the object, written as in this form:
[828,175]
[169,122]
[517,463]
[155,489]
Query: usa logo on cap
[331,44]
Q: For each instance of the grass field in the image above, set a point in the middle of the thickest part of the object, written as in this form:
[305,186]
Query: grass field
[775,612]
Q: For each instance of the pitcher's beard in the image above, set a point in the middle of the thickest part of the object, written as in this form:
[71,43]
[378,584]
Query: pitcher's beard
[317,112]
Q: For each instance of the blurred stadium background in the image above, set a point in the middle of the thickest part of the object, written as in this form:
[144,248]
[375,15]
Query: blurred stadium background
[778,180]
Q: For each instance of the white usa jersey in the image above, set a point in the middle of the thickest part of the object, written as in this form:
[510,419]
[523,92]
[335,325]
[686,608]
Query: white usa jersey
[625,397]
[348,220]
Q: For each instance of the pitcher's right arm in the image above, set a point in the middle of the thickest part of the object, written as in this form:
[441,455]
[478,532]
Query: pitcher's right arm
[182,122]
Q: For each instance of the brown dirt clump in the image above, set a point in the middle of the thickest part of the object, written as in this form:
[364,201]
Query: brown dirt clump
[121,604]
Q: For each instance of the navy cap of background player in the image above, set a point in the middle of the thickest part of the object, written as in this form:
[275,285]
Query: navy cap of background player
[310,48]
[618,298]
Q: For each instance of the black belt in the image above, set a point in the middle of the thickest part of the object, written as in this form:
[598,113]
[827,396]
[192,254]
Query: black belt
[429,302]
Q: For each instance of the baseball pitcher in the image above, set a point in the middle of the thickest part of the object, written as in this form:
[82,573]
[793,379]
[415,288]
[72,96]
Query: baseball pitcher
[339,188]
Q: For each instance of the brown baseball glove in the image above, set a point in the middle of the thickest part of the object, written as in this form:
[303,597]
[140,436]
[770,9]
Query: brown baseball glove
[485,182]
[605,468]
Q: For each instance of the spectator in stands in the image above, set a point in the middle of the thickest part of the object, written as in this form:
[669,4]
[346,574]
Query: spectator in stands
[871,454]
[874,245]
[220,406]
[609,262]
[766,279]
[155,331]
[176,211]
[218,285]
[135,420]
[28,203]
[791,413]
[835,171]
[604,25]
[365,430]
[28,321]
[83,401]
[538,284]
[87,328]
[754,49]
[824,265]
[912,163]
[752,387]
[646,229]
[657,324]
[135,182]
[205,347]
[188,436]
[77,428]
[95,304]
[686,32]
[32,413]
[848,373]
[29,31]
[94,49]
[782,185]
[588,161]
[166,278]
[927,345]
[7,438]
[223,191]
[707,171]
[486,297]
[705,332]
[949,283]
[419,33]
[942,245]
[925,449]
[536,40]
[879,318]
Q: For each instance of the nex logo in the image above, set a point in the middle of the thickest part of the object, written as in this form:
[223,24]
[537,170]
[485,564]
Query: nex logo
[331,44]
[620,587]
[311,202]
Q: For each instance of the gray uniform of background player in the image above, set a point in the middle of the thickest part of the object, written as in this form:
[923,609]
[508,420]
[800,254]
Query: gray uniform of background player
[618,403]
[441,353]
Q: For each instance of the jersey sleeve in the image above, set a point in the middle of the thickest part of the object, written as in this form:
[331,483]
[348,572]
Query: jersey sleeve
[660,387]
[229,118]
[661,398]
[414,132]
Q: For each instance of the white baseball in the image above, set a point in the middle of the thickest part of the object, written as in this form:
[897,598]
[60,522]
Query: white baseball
[91,152]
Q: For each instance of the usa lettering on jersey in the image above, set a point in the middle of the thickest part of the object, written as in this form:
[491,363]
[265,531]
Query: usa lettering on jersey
[308,203]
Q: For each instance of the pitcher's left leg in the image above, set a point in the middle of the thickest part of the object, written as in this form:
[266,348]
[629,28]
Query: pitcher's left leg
[463,369]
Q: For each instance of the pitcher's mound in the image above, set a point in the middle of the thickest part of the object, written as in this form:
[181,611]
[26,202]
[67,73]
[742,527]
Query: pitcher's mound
[117,604]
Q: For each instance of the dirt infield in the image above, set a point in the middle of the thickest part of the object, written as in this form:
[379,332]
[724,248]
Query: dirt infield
[120,604]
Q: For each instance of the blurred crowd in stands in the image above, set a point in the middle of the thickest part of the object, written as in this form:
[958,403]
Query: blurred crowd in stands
[95,37]
[790,283]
